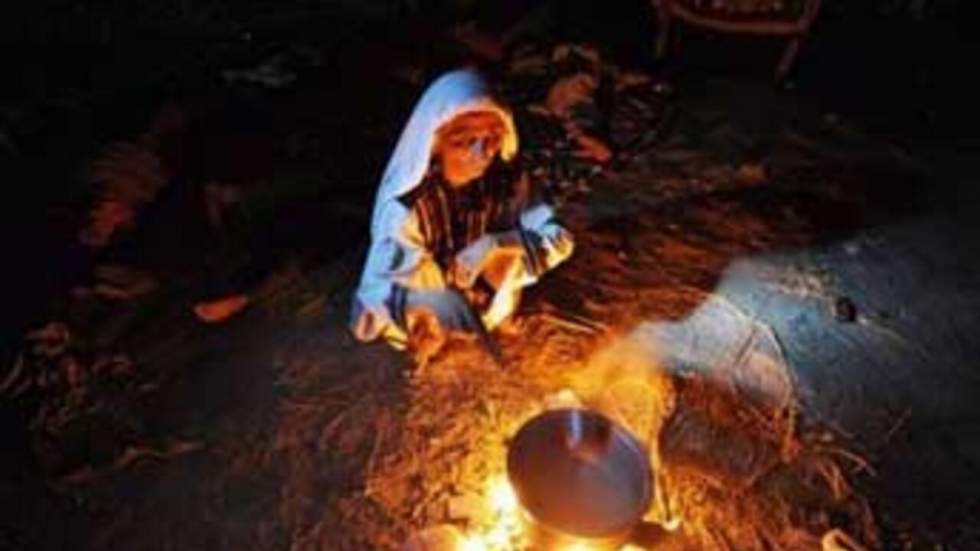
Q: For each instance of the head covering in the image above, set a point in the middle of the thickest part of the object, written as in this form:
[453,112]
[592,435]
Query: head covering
[453,94]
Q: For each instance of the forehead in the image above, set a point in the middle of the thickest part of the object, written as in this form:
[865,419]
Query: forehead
[476,121]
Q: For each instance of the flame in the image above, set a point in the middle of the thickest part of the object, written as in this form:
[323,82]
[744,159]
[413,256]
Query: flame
[623,383]
[503,523]
[502,497]
[471,543]
[499,536]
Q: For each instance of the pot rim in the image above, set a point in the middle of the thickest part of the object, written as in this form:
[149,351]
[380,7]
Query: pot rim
[616,532]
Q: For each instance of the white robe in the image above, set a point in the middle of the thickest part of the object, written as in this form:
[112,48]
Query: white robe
[397,255]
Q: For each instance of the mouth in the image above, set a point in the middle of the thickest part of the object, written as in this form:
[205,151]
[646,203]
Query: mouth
[477,169]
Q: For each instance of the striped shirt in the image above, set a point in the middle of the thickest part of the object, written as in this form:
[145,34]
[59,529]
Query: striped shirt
[440,222]
[452,218]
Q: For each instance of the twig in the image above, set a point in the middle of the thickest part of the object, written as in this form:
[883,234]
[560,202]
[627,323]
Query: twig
[719,538]
[580,326]
[130,456]
[379,435]
[895,427]
[860,462]
[332,426]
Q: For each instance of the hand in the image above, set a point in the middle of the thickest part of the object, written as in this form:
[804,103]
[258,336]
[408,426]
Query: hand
[469,262]
[489,255]
[425,336]
[445,309]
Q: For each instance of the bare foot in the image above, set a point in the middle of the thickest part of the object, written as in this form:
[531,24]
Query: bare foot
[219,310]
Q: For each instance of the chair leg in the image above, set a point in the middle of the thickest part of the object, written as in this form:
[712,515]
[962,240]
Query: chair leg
[789,56]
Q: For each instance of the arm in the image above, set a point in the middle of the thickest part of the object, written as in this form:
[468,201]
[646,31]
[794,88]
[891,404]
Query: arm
[514,259]
[544,243]
[397,261]
[541,240]
[518,257]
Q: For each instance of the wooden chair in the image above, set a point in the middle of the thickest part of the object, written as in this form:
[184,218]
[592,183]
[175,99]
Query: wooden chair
[792,26]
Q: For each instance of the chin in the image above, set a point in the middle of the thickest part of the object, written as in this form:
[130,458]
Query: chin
[464,180]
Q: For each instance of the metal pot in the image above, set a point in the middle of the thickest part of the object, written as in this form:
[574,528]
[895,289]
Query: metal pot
[580,478]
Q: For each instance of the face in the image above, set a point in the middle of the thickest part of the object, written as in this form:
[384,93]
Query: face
[467,145]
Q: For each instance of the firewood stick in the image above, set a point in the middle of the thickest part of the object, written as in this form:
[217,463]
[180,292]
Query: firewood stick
[575,323]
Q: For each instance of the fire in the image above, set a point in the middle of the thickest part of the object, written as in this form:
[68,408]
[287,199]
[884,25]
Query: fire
[503,525]
[502,497]
[472,543]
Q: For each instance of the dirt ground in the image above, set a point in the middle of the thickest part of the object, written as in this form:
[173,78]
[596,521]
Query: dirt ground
[844,251]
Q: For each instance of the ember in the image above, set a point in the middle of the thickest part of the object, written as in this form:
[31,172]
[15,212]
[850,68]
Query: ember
[505,521]
[502,496]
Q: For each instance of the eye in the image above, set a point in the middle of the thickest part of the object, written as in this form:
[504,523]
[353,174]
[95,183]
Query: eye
[457,141]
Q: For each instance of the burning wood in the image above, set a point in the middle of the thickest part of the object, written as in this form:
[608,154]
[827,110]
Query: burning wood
[459,471]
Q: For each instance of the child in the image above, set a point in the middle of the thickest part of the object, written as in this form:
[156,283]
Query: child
[456,232]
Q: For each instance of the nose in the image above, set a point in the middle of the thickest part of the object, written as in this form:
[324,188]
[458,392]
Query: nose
[480,148]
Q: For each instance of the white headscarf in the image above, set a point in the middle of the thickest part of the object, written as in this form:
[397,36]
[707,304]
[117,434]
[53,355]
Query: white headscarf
[453,94]
[392,257]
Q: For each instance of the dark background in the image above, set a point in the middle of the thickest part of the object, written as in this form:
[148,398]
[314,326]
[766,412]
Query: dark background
[79,73]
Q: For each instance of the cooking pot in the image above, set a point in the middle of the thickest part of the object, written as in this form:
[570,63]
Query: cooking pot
[580,478]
